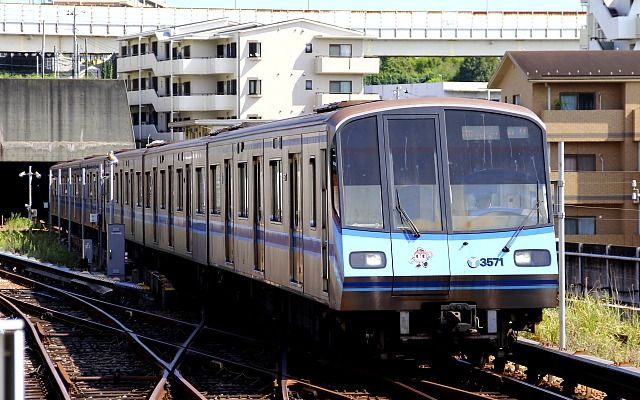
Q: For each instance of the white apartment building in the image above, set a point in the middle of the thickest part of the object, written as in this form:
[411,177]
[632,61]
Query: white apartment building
[188,80]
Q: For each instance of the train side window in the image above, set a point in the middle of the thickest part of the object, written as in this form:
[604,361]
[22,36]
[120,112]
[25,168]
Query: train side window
[243,190]
[180,191]
[126,188]
[335,179]
[163,189]
[200,204]
[131,187]
[275,168]
[216,188]
[139,189]
[314,191]
[147,192]
[116,187]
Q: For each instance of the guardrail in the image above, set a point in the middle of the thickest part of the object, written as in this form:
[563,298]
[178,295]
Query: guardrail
[614,270]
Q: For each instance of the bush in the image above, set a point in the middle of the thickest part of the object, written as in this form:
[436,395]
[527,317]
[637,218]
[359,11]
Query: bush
[593,325]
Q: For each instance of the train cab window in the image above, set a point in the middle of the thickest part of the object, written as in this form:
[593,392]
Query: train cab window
[413,157]
[216,189]
[497,171]
[275,168]
[200,199]
[360,174]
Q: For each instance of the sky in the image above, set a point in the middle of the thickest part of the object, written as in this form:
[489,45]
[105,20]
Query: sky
[386,5]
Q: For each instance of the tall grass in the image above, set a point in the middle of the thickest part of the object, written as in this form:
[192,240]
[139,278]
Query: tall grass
[18,238]
[593,325]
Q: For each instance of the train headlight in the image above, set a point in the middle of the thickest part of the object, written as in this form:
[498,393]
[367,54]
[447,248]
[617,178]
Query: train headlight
[367,259]
[532,258]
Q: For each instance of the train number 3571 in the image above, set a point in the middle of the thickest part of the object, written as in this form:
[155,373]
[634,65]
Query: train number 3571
[474,262]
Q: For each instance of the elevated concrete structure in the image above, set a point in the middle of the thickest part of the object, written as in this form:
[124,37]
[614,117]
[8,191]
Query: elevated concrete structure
[50,120]
[392,33]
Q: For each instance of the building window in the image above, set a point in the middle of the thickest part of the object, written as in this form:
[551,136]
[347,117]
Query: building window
[577,101]
[580,162]
[308,48]
[231,50]
[580,225]
[232,87]
[516,99]
[186,51]
[134,50]
[255,87]
[339,86]
[308,85]
[340,50]
[220,51]
[255,49]
[123,51]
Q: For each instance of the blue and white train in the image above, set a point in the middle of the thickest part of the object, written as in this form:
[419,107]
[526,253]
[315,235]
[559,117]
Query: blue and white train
[403,218]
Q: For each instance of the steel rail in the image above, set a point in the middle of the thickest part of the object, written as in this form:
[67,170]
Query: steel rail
[57,382]
[579,368]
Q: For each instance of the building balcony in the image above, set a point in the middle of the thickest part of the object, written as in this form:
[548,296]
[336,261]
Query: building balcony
[601,187]
[134,63]
[347,65]
[584,125]
[200,102]
[182,66]
[328,98]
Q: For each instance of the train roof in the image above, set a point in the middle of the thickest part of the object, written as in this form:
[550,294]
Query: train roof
[334,114]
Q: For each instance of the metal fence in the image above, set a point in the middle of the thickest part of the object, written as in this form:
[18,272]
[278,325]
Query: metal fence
[607,269]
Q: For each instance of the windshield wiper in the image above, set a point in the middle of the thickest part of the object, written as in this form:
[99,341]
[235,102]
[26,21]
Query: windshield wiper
[405,219]
[507,246]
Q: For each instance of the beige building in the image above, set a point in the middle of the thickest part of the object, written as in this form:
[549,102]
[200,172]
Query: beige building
[590,100]
[189,80]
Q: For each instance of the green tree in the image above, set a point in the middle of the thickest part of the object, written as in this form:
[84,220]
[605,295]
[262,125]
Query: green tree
[477,69]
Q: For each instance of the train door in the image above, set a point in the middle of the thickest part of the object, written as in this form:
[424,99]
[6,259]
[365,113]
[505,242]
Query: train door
[170,201]
[313,221]
[187,208]
[277,229]
[258,217]
[228,211]
[154,201]
[296,238]
[419,243]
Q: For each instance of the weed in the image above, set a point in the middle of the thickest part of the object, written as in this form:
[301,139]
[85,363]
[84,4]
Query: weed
[594,325]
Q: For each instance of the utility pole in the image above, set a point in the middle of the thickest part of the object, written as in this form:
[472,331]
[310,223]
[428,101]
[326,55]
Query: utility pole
[74,61]
[30,175]
[561,251]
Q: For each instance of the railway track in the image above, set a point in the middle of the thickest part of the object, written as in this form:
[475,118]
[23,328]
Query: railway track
[103,350]
[182,358]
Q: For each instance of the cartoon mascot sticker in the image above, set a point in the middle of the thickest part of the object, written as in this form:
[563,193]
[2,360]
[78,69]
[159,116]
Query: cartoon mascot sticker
[421,257]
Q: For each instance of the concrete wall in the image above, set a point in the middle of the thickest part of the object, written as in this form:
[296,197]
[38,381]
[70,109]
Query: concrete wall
[49,120]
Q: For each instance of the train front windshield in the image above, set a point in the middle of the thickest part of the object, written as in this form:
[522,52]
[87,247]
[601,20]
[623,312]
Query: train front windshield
[494,166]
